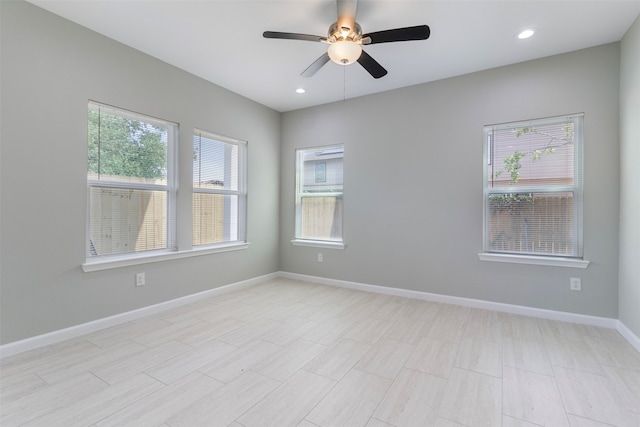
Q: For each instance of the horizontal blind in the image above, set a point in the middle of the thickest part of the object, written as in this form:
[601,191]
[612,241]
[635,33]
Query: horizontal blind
[129,171]
[215,162]
[533,187]
[125,146]
[219,193]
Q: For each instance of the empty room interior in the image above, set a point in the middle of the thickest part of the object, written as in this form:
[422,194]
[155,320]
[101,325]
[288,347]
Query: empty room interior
[445,235]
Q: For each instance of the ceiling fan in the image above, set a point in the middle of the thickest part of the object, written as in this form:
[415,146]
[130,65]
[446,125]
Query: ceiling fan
[345,40]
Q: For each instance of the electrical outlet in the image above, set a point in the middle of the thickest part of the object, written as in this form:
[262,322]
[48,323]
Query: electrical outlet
[320,257]
[140,281]
[575,284]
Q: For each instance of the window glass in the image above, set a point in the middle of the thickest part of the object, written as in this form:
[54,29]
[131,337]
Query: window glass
[319,193]
[533,187]
[219,194]
[131,196]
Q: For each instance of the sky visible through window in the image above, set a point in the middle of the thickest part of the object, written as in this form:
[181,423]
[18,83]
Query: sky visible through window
[209,161]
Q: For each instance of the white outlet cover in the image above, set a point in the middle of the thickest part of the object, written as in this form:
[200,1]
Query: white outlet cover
[576,284]
[140,279]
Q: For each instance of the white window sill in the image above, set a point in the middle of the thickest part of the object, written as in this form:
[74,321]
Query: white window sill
[535,260]
[318,244]
[117,262]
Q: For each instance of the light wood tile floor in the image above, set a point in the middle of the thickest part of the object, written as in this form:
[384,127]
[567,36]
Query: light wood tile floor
[289,353]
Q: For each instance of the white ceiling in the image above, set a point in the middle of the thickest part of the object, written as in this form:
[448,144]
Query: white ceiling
[221,40]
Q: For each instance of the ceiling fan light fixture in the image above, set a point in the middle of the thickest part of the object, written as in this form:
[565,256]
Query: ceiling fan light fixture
[344,52]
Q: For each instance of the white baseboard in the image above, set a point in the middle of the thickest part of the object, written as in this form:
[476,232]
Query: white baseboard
[467,302]
[542,313]
[86,328]
[630,336]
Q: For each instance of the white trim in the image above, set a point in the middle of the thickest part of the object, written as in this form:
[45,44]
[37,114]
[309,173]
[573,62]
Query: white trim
[542,313]
[144,258]
[318,244]
[96,325]
[633,339]
[535,260]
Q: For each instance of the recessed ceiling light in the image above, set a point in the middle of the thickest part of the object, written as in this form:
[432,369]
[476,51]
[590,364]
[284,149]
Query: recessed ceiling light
[525,34]
[300,90]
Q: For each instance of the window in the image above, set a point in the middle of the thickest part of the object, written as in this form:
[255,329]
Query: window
[319,193]
[219,190]
[131,182]
[533,187]
[321,172]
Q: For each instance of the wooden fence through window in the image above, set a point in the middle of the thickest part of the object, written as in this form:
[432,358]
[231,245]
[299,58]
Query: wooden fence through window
[541,223]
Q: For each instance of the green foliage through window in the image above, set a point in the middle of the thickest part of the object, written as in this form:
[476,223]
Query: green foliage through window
[120,146]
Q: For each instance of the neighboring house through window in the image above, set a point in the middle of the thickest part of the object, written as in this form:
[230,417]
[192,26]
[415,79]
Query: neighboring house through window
[319,192]
[533,187]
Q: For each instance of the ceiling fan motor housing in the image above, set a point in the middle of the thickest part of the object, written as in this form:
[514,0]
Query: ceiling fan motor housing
[344,33]
[344,43]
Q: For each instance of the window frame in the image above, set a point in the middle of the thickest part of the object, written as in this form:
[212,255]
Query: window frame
[173,131]
[576,188]
[298,239]
[177,246]
[241,191]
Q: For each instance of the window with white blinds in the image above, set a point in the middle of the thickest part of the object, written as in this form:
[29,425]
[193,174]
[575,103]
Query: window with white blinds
[319,192]
[219,189]
[131,182]
[533,187]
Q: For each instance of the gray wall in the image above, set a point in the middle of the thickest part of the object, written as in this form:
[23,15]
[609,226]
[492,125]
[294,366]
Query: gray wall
[413,182]
[50,68]
[630,179]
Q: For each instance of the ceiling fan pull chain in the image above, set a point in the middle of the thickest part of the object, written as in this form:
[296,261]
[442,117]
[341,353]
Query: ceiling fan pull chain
[344,84]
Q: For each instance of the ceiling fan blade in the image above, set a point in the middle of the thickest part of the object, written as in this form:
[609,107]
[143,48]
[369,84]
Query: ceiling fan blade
[371,65]
[293,36]
[419,32]
[317,64]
